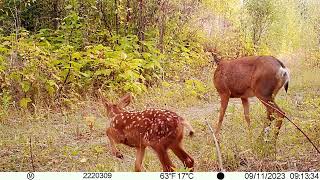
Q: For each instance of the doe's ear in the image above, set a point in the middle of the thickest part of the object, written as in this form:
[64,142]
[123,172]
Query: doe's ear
[125,100]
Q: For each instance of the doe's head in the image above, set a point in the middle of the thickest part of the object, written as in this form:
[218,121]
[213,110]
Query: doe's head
[117,108]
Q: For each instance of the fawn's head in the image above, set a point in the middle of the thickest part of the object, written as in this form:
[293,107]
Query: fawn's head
[117,108]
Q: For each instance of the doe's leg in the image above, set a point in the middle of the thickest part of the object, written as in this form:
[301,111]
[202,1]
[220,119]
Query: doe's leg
[245,104]
[272,109]
[223,107]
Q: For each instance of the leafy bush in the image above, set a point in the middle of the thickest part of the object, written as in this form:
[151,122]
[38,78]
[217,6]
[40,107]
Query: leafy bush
[31,69]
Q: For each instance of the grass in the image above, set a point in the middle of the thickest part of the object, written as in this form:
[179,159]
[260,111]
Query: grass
[63,141]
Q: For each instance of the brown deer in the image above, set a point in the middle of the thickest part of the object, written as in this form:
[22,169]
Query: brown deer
[259,76]
[156,128]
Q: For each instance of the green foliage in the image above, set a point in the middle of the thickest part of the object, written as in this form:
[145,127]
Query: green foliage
[195,88]
[65,70]
[61,51]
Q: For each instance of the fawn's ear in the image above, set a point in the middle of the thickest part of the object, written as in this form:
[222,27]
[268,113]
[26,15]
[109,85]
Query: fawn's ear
[125,100]
[104,101]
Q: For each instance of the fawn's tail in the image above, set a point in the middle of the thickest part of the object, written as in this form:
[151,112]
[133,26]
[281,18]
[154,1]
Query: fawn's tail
[189,127]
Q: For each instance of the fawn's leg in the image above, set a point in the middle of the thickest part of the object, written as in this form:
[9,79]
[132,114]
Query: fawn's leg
[164,159]
[139,158]
[114,137]
[183,156]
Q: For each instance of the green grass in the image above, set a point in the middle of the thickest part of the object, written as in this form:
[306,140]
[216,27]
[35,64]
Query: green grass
[64,142]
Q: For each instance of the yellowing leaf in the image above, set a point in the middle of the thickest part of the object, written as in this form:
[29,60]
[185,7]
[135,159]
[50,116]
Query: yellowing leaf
[76,55]
[166,84]
[24,102]
[25,85]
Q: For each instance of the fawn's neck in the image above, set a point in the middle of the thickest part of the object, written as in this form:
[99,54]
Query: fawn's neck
[116,111]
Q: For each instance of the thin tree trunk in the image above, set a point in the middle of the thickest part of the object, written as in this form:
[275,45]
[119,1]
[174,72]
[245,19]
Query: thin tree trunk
[17,20]
[128,17]
[55,14]
[117,23]
[141,24]
[162,23]
[101,7]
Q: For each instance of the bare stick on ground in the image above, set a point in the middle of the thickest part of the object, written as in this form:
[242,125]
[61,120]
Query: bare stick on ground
[217,147]
[31,155]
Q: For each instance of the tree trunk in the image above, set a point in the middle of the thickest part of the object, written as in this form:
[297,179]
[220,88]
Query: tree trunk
[141,23]
[162,23]
[55,12]
[104,18]
[16,16]
[117,23]
[128,17]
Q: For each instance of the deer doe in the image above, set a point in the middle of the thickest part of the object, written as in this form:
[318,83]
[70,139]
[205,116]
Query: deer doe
[259,76]
[156,128]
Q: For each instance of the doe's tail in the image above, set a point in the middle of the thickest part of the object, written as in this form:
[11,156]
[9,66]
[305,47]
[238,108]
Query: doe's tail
[286,86]
[285,76]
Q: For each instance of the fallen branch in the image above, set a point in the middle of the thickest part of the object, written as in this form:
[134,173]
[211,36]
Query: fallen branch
[217,147]
[279,111]
[31,155]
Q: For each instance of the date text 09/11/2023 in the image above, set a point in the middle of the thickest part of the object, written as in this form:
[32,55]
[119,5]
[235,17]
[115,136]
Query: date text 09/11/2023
[282,175]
